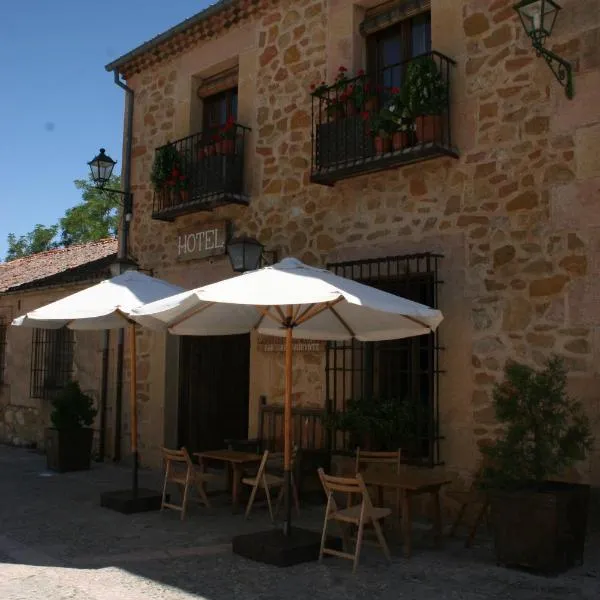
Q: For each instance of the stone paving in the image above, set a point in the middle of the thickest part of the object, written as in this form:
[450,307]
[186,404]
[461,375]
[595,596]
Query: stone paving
[57,543]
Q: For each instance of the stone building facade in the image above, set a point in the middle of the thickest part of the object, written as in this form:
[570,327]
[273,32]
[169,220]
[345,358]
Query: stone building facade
[513,214]
[35,362]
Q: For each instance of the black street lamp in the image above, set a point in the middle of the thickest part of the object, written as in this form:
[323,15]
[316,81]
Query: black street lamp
[102,167]
[538,18]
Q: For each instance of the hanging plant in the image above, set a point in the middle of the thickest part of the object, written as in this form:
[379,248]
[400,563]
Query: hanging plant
[166,159]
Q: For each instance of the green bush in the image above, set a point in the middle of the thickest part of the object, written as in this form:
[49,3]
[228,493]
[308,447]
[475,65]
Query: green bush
[545,431]
[379,424]
[72,409]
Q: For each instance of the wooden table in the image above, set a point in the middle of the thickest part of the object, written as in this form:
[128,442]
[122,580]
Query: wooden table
[237,460]
[412,482]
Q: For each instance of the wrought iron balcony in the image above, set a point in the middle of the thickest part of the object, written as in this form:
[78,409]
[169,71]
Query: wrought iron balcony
[372,122]
[209,172]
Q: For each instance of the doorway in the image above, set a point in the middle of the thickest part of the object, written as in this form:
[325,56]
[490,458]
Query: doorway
[214,382]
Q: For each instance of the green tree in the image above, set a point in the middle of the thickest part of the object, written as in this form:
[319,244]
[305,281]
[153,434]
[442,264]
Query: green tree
[41,238]
[95,218]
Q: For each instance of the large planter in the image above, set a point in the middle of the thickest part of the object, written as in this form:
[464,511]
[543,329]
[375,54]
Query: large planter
[541,528]
[68,450]
[429,128]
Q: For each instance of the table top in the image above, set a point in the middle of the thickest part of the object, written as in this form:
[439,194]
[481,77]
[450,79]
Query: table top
[409,479]
[232,456]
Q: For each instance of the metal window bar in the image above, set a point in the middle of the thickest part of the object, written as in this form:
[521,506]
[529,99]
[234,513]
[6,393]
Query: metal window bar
[3,332]
[52,353]
[394,369]
[213,172]
[343,142]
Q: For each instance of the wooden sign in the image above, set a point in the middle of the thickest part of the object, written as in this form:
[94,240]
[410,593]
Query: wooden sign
[202,241]
[271,343]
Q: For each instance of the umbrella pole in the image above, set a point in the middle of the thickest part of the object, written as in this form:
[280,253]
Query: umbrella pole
[133,405]
[287,430]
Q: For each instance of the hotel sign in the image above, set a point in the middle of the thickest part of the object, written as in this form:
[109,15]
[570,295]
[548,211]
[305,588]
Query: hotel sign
[269,343]
[202,241]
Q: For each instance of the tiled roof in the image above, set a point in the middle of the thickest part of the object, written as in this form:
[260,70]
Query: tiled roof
[221,15]
[37,267]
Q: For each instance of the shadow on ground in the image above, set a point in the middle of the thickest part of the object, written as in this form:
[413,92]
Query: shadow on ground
[55,537]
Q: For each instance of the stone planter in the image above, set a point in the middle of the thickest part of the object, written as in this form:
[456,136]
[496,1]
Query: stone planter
[68,450]
[541,528]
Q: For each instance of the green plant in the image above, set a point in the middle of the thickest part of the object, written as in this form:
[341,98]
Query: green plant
[166,160]
[425,91]
[381,424]
[380,124]
[72,409]
[544,430]
[229,129]
[398,113]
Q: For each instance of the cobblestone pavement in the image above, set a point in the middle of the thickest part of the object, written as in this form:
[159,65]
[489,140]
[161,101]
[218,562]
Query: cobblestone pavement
[57,543]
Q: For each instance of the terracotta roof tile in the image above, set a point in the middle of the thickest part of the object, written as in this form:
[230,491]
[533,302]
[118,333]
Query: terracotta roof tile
[42,265]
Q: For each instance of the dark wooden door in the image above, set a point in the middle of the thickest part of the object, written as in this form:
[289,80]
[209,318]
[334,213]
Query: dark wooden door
[213,390]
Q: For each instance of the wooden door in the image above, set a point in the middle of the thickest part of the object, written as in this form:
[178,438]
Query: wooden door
[213,390]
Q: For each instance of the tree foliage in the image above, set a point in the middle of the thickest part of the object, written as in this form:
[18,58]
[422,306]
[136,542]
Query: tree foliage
[95,218]
[545,431]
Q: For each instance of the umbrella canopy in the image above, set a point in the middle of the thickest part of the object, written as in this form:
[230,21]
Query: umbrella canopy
[103,306]
[106,305]
[291,299]
[326,307]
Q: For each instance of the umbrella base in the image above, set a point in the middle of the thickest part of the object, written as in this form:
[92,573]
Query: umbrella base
[123,501]
[274,548]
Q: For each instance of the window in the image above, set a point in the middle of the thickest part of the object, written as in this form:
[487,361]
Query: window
[404,370]
[390,48]
[51,361]
[3,332]
[218,108]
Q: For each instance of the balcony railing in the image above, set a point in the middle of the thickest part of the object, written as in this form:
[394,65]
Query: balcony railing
[366,124]
[210,174]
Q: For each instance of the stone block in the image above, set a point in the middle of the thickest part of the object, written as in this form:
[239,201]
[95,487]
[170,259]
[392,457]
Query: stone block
[587,151]
[568,115]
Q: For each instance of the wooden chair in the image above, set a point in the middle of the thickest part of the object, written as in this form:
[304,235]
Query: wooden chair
[471,497]
[180,470]
[265,480]
[365,457]
[359,515]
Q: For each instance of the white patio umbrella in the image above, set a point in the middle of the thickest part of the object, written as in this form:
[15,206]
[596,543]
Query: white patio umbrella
[291,299]
[106,305]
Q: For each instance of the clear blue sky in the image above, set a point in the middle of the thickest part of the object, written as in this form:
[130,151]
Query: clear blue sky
[58,105]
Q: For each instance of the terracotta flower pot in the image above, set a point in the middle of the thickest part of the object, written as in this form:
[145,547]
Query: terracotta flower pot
[228,146]
[382,144]
[429,128]
[399,140]
[371,105]
[184,195]
[218,146]
[350,109]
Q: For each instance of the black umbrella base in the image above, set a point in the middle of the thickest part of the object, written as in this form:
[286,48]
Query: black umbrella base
[125,502]
[274,548]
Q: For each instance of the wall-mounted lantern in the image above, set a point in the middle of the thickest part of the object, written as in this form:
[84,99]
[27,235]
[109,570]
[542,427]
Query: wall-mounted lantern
[538,18]
[247,254]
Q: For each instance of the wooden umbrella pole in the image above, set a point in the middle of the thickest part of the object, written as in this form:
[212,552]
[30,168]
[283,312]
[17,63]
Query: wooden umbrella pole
[287,426]
[133,406]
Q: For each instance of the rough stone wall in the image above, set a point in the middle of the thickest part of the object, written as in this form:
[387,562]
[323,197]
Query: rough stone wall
[515,216]
[22,418]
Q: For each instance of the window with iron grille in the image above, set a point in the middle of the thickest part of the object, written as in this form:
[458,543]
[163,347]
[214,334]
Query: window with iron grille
[51,361]
[404,370]
[3,332]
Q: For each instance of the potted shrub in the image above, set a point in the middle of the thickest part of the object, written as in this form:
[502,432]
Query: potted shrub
[401,122]
[69,440]
[539,523]
[425,96]
[380,128]
[379,423]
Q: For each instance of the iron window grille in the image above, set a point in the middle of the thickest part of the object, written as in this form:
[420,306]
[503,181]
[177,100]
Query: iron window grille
[393,369]
[51,361]
[3,332]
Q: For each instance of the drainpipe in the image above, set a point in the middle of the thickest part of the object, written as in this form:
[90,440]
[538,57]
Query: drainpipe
[122,251]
